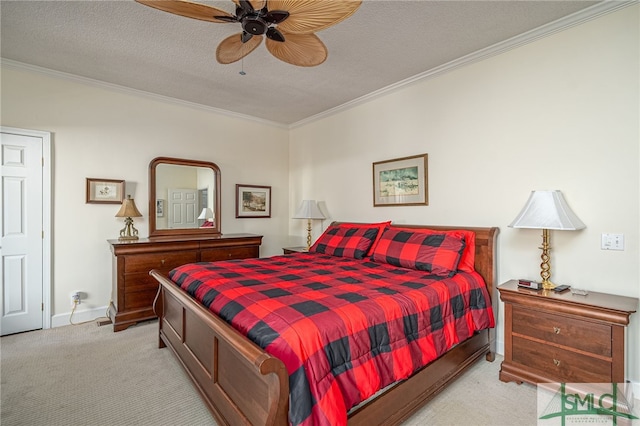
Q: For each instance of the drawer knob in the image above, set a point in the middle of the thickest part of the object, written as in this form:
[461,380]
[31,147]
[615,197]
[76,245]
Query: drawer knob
[229,255]
[556,330]
[556,362]
[162,261]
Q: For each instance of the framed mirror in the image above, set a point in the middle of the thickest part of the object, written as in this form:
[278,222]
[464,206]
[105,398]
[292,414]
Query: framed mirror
[184,197]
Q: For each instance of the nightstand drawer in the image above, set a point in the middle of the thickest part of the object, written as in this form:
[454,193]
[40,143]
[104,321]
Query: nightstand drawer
[559,364]
[574,333]
[166,260]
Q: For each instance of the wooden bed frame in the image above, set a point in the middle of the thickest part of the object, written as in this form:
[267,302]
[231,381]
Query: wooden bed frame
[242,384]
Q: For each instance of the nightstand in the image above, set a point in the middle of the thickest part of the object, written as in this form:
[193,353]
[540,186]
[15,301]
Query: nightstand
[289,250]
[562,337]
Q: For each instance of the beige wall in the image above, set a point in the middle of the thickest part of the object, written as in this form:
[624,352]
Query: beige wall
[560,113]
[105,133]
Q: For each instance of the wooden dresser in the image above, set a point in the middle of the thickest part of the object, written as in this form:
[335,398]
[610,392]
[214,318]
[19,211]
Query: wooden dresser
[134,289]
[562,337]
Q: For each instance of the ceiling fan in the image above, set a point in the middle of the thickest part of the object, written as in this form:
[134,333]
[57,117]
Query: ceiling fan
[289,26]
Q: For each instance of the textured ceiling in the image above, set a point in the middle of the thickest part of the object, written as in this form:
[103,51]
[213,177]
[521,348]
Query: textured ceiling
[383,43]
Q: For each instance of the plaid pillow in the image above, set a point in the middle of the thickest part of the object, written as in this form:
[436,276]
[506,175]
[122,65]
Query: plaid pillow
[438,253]
[468,259]
[381,226]
[345,241]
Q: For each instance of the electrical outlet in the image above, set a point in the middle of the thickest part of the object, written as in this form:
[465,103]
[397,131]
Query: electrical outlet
[75,298]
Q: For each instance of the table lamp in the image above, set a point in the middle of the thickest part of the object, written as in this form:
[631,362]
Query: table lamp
[128,210]
[547,210]
[308,210]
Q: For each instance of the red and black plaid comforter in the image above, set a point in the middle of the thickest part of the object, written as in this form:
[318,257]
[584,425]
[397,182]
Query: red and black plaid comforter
[344,328]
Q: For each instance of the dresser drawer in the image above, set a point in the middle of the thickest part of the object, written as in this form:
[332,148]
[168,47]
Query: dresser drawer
[164,260]
[216,254]
[574,333]
[142,281]
[140,299]
[559,364]
[140,289]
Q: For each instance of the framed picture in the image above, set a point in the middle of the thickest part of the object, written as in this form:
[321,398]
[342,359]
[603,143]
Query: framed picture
[253,201]
[159,208]
[401,182]
[105,191]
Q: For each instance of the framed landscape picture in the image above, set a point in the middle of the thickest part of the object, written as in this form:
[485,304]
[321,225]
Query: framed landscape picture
[401,182]
[253,201]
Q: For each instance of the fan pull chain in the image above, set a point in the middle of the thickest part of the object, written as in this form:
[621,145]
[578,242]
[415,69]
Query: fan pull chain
[242,67]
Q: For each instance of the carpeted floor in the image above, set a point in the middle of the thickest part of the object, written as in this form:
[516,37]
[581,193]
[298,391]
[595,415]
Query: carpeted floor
[89,375]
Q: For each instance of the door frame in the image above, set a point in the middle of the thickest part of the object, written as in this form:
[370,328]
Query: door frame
[47,228]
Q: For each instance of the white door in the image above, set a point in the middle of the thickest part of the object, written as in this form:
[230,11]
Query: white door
[183,208]
[22,236]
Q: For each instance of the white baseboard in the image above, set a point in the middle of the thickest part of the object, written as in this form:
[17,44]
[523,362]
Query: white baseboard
[79,316]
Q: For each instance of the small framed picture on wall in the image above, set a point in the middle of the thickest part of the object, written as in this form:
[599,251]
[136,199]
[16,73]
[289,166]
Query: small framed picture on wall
[105,191]
[253,201]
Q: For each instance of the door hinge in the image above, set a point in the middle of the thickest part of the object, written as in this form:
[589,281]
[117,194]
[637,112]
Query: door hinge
[43,235]
[42,161]
[42,307]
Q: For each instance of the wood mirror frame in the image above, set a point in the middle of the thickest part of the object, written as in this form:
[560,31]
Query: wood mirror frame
[154,231]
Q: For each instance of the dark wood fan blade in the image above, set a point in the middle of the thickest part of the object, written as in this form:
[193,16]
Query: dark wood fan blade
[304,50]
[310,16]
[232,49]
[189,9]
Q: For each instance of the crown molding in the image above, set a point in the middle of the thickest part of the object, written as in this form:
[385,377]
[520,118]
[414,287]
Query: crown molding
[546,30]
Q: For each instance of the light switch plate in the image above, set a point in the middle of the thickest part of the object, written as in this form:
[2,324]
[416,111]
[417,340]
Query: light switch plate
[612,242]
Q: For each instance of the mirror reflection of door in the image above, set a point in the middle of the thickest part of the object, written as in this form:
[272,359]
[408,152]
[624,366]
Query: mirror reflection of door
[183,208]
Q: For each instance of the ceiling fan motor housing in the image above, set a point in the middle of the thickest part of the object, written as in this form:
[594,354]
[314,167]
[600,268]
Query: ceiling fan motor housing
[255,25]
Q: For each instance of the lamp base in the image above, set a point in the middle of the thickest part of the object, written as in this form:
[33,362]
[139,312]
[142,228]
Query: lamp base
[308,234]
[548,285]
[129,232]
[545,267]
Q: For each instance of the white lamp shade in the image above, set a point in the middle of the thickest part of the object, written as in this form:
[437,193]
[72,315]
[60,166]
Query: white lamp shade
[547,210]
[308,210]
[206,213]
